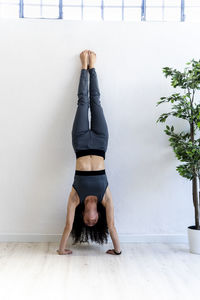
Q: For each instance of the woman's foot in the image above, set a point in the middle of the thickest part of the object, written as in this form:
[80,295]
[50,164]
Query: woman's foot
[92,59]
[84,59]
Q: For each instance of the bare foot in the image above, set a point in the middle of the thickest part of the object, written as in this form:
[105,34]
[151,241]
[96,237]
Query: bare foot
[92,59]
[84,59]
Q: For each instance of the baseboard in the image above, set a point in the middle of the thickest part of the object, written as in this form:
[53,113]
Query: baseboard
[124,238]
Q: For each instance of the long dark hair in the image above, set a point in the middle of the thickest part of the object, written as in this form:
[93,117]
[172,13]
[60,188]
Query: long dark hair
[82,233]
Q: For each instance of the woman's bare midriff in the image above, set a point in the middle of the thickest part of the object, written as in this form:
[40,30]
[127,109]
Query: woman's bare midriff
[90,163]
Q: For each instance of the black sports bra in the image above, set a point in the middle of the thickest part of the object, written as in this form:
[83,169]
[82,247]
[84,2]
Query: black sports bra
[98,152]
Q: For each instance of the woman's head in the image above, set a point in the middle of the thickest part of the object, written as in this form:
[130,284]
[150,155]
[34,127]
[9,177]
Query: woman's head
[90,213]
[90,222]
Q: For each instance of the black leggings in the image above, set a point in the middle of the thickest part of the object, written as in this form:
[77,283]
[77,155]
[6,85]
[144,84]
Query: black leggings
[83,137]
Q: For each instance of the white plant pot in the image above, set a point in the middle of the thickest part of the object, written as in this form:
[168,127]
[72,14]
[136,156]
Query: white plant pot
[194,239]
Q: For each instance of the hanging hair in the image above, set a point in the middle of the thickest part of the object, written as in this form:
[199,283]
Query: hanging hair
[82,233]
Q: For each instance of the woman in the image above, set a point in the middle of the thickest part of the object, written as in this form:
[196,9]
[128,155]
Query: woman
[90,211]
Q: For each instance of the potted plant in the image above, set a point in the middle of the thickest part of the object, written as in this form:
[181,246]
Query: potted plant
[186,144]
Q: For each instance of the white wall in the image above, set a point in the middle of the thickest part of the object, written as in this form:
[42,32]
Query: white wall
[39,73]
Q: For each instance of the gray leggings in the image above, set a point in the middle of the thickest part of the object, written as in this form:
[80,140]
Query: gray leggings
[82,136]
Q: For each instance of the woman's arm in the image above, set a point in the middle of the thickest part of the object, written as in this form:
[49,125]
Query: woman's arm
[71,207]
[110,221]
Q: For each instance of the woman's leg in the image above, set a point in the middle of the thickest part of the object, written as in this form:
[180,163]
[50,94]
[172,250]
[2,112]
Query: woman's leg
[98,121]
[81,121]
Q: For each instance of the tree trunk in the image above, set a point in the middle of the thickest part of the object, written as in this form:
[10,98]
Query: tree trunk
[194,185]
[199,192]
[195,201]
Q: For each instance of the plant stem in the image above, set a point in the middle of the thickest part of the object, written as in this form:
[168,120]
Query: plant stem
[195,201]
[199,192]
[194,185]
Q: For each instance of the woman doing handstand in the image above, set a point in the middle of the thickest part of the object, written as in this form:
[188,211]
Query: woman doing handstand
[90,210]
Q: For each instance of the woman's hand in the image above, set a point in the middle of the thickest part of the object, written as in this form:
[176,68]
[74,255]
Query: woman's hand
[111,251]
[64,252]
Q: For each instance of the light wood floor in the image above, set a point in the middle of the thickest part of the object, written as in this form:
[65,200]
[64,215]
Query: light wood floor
[143,271]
